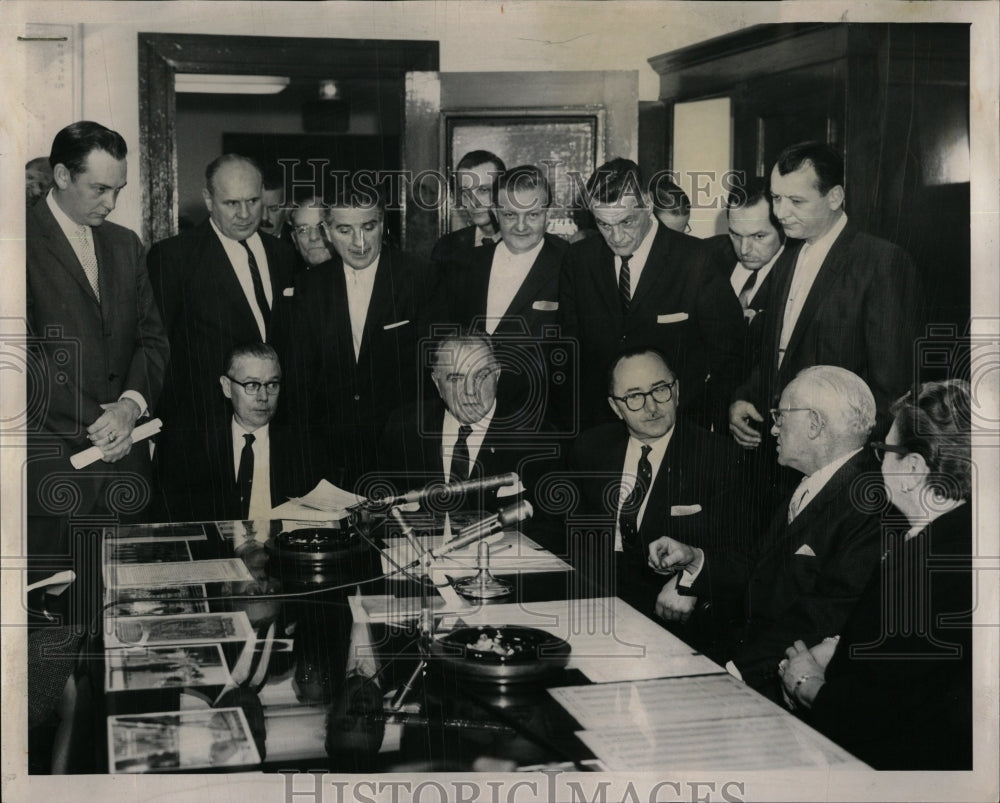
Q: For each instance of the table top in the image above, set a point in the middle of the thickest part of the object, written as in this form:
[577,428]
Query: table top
[255,645]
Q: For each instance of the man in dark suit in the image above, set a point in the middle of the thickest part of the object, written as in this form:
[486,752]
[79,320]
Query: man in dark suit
[841,297]
[468,432]
[802,580]
[745,258]
[248,465]
[656,474]
[643,284]
[217,285]
[473,190]
[351,355]
[511,290]
[97,335]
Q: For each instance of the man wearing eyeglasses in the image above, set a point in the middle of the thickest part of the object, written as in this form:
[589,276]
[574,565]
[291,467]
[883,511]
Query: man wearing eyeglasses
[802,578]
[647,474]
[307,220]
[244,467]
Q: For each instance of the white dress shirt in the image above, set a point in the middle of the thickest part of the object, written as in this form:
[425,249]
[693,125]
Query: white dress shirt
[260,488]
[241,267]
[807,265]
[449,437]
[507,274]
[638,260]
[360,284]
[630,469]
[70,229]
[480,237]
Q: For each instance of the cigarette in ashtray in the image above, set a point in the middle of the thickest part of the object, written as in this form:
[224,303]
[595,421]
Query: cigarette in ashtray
[93,454]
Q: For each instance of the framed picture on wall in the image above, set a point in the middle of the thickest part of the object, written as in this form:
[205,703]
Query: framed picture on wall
[567,143]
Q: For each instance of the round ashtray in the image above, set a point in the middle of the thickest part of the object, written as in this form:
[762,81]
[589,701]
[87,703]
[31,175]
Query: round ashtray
[503,654]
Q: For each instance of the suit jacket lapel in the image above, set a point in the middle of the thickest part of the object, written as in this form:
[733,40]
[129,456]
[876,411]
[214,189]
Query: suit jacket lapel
[533,283]
[224,277]
[62,250]
[831,268]
[654,272]
[816,509]
[607,281]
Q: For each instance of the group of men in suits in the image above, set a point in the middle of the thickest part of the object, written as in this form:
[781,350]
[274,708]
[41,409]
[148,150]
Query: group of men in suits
[387,368]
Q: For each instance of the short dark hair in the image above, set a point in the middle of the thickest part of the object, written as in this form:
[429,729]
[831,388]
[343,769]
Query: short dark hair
[522,177]
[75,142]
[273,176]
[750,193]
[825,160]
[227,159]
[262,351]
[613,180]
[937,425]
[475,158]
[667,196]
[626,354]
[351,192]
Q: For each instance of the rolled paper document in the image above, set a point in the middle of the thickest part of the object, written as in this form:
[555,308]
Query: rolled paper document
[93,454]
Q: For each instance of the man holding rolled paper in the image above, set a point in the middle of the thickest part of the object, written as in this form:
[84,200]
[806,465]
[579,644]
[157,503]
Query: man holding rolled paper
[96,333]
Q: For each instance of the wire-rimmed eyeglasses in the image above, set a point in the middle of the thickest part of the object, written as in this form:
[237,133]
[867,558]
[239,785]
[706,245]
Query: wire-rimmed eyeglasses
[778,413]
[636,401]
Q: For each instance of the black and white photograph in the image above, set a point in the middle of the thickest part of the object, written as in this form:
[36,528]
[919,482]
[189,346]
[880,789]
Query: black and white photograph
[637,362]
[165,668]
[180,741]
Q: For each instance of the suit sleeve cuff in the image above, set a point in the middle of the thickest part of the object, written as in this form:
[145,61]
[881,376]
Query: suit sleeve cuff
[690,573]
[138,398]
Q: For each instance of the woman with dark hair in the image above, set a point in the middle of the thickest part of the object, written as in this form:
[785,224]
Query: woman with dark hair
[895,688]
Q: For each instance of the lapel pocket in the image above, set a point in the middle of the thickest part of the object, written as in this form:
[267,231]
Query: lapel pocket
[673,317]
[806,550]
[545,306]
[288,292]
[396,325]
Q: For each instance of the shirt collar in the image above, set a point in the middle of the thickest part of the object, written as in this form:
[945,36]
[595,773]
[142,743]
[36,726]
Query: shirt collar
[510,257]
[658,448]
[68,226]
[363,275]
[253,239]
[642,252]
[815,481]
[825,242]
[238,431]
[452,424]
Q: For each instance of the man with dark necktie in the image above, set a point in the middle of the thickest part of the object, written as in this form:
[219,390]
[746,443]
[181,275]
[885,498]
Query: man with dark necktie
[466,433]
[641,283]
[218,285]
[656,474]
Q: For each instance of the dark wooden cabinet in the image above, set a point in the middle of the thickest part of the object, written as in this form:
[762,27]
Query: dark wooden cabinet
[892,97]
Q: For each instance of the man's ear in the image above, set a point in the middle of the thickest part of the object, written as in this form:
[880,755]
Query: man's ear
[227,387]
[614,408]
[815,424]
[61,176]
[835,197]
[207,197]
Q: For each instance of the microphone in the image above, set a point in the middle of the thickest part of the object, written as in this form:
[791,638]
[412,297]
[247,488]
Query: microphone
[501,520]
[441,489]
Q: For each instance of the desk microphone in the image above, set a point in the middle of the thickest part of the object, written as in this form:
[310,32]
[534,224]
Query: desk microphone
[501,520]
[442,489]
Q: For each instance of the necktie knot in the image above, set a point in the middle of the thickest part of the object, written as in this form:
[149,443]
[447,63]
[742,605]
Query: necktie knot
[249,439]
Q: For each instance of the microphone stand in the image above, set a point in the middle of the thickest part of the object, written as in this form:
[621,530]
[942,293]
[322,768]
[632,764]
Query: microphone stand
[424,559]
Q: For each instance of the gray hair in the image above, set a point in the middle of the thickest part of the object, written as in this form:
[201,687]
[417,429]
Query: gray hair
[842,396]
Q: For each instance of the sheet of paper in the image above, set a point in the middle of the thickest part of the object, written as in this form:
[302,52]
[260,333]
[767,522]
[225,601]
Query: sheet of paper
[327,496]
[223,570]
[510,551]
[139,533]
[752,743]
[388,608]
[648,704]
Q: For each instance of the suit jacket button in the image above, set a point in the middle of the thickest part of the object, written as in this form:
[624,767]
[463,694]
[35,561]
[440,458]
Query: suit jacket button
[112,377]
[357,397]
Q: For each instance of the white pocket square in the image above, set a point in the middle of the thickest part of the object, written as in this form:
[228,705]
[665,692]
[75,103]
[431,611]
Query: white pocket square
[673,317]
[807,550]
[288,291]
[396,325]
[684,510]
[545,306]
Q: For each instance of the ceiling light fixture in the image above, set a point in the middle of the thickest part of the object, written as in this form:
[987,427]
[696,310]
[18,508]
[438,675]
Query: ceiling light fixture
[230,84]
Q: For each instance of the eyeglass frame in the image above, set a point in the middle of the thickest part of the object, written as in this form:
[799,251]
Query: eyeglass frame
[265,385]
[668,386]
[778,413]
[881,447]
[320,228]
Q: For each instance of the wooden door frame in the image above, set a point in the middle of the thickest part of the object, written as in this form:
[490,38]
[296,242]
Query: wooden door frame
[163,55]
